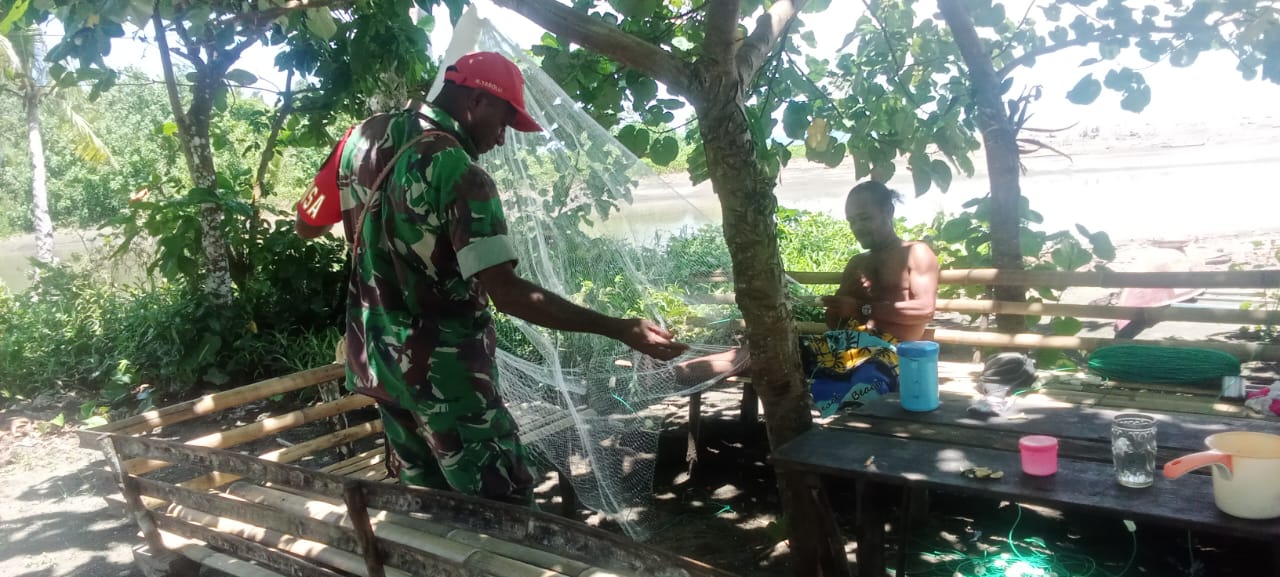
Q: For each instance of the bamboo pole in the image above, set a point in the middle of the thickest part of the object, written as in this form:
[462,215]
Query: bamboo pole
[503,559]
[260,429]
[221,401]
[356,463]
[213,559]
[291,454]
[315,551]
[1251,279]
[1243,351]
[1192,315]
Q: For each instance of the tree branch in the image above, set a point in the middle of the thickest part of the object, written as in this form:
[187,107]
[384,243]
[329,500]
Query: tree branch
[222,60]
[1077,41]
[610,42]
[175,102]
[769,28]
[893,54]
[719,46]
[193,55]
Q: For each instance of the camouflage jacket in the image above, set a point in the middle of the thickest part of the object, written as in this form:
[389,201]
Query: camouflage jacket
[415,309]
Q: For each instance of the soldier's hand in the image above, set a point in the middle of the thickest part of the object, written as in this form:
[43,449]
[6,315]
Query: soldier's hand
[651,339]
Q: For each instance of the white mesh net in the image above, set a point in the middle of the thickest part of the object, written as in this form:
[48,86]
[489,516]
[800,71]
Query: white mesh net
[573,197]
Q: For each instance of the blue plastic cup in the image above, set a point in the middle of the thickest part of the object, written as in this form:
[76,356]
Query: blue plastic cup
[918,375]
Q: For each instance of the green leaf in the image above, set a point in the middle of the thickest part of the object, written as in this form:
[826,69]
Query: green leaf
[1137,98]
[1102,246]
[815,6]
[241,76]
[941,174]
[955,230]
[1070,255]
[1032,244]
[795,119]
[17,11]
[635,8]
[920,174]
[59,420]
[1150,11]
[94,421]
[321,23]
[1066,326]
[1085,91]
[1052,12]
[643,91]
[664,150]
[635,138]
[1059,35]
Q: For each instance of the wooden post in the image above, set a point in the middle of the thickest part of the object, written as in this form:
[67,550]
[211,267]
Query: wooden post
[750,412]
[904,532]
[869,529]
[817,547]
[568,496]
[358,513]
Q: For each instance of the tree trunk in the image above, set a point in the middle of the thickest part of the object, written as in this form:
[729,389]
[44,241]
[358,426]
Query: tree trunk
[217,283]
[750,231]
[39,190]
[998,141]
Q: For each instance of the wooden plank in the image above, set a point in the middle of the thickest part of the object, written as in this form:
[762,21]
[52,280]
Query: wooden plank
[1184,502]
[358,514]
[331,511]
[1250,279]
[1181,432]
[291,454]
[252,513]
[536,529]
[213,559]
[281,562]
[220,401]
[1130,400]
[312,550]
[259,429]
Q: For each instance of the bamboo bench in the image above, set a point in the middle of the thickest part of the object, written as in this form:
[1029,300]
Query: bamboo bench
[276,519]
[173,514]
[1165,397]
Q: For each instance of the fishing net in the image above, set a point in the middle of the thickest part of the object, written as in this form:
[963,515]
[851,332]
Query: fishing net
[576,203]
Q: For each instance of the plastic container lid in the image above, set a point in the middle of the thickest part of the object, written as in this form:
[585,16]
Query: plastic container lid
[1038,442]
[917,349]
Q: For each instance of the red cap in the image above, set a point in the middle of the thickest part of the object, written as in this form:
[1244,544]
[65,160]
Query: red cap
[498,76]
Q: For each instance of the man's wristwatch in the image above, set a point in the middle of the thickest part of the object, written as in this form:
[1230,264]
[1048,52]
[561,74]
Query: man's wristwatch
[866,311]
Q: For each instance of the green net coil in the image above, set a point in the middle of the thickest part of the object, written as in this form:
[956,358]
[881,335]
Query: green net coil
[1151,364]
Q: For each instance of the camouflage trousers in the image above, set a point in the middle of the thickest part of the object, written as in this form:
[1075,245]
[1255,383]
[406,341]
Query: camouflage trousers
[494,468]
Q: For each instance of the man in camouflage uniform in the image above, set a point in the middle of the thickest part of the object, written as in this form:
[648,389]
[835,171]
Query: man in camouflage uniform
[430,251]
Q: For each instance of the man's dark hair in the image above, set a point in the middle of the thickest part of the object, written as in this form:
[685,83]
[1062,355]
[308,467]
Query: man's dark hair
[883,196]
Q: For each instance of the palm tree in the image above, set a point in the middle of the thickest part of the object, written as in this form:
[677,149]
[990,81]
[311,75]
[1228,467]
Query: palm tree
[23,73]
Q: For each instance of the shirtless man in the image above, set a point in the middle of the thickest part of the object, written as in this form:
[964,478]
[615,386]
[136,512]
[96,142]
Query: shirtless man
[893,287]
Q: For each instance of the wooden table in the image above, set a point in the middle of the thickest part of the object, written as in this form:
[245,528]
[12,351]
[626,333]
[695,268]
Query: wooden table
[926,451]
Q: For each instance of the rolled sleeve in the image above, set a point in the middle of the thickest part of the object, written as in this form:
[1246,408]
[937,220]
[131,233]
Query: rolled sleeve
[478,226]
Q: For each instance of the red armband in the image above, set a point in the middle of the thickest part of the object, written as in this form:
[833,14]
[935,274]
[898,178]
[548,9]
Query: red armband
[322,204]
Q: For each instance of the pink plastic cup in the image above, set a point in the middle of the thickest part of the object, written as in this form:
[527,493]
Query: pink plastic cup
[1039,455]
